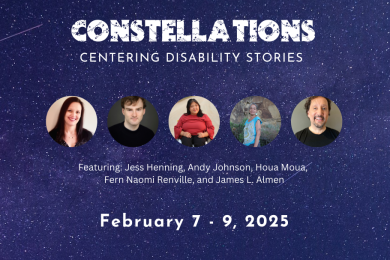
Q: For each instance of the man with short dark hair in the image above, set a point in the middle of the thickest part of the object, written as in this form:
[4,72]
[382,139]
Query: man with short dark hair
[130,132]
[317,134]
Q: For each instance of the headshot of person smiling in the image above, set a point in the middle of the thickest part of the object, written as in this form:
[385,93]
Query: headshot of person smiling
[69,130]
[72,114]
[318,111]
[317,134]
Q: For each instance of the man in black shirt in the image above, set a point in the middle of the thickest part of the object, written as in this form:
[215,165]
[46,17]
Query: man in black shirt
[317,134]
[130,132]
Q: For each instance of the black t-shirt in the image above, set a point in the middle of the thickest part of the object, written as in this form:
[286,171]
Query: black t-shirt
[130,138]
[83,138]
[313,140]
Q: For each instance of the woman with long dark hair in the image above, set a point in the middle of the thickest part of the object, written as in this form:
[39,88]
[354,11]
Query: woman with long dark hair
[194,127]
[69,129]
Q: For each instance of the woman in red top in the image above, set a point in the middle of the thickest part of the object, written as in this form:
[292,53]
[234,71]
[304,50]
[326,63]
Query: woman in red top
[194,127]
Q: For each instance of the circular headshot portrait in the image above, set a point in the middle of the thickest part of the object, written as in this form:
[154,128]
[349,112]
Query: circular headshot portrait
[194,121]
[132,121]
[316,121]
[255,121]
[71,121]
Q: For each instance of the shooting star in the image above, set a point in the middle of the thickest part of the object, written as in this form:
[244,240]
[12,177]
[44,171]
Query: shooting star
[21,32]
[291,176]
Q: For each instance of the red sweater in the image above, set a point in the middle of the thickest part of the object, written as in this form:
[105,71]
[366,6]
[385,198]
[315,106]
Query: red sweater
[194,125]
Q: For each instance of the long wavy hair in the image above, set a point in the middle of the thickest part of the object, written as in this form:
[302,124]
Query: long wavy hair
[190,101]
[60,126]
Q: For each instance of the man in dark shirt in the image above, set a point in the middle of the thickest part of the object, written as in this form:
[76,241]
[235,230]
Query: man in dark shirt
[130,132]
[317,134]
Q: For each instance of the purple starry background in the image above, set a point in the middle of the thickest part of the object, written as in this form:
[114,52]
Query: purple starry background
[338,209]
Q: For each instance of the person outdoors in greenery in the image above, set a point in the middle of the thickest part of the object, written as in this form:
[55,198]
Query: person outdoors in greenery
[252,129]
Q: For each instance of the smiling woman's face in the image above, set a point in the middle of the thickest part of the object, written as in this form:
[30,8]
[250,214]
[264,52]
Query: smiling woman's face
[73,114]
[194,108]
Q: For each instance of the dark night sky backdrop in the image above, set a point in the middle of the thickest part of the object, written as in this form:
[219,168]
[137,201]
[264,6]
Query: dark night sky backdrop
[338,209]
